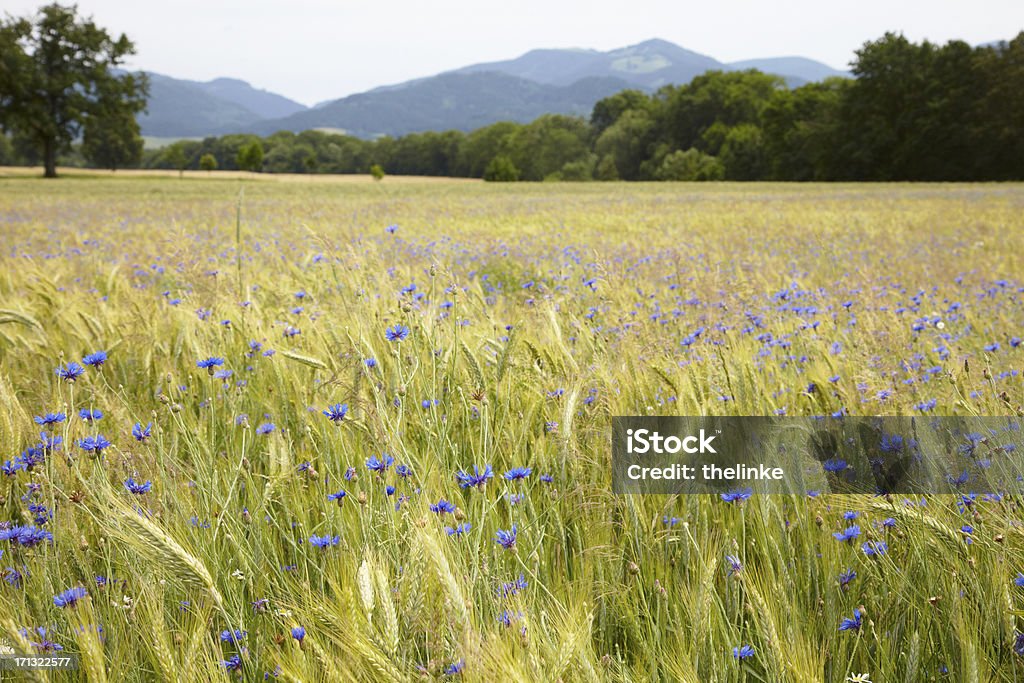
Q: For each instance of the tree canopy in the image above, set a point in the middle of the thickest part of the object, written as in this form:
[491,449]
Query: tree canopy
[58,80]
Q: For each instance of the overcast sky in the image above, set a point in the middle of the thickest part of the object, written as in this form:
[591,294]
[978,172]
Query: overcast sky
[315,50]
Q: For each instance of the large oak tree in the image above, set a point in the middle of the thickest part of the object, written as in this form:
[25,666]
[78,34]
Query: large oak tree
[58,73]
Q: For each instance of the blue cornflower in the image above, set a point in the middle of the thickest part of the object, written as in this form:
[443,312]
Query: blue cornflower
[403,471]
[232,663]
[142,433]
[50,418]
[513,587]
[397,333]
[339,496]
[337,412]
[888,523]
[69,597]
[834,465]
[849,624]
[96,359]
[443,506]
[70,372]
[455,668]
[847,534]
[458,530]
[137,488]
[389,490]
[223,374]
[94,444]
[546,478]
[27,536]
[90,415]
[742,652]
[994,346]
[477,479]
[850,515]
[737,495]
[232,636]
[298,633]
[735,566]
[846,578]
[506,539]
[874,548]
[381,464]
[370,363]
[324,542]
[210,363]
[266,428]
[1019,581]
[517,473]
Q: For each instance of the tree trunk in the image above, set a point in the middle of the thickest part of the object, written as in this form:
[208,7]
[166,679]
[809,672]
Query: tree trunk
[50,158]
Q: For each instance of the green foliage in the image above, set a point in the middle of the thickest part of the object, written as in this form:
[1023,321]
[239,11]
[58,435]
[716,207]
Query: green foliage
[208,162]
[692,164]
[501,170]
[56,74]
[250,157]
[112,140]
[377,172]
[174,156]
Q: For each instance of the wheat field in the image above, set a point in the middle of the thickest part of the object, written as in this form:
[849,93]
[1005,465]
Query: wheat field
[319,431]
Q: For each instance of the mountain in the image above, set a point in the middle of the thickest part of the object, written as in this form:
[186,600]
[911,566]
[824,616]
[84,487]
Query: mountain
[181,108]
[556,81]
[795,70]
[648,65]
[462,101]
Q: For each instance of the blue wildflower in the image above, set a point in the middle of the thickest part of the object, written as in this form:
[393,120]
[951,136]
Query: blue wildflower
[70,372]
[137,488]
[742,652]
[95,359]
[49,419]
[849,624]
[458,530]
[69,597]
[379,465]
[94,444]
[266,428]
[232,636]
[737,495]
[324,542]
[506,539]
[477,479]
[337,412]
[847,534]
[210,363]
[397,333]
[142,433]
[846,578]
[90,415]
[874,548]
[517,473]
[442,506]
[338,496]
[298,633]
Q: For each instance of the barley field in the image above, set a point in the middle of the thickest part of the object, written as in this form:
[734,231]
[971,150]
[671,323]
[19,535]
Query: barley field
[337,430]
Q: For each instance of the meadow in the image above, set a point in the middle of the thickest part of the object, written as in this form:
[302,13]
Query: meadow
[328,430]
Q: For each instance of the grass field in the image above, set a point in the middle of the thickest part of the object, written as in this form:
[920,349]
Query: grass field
[471,325]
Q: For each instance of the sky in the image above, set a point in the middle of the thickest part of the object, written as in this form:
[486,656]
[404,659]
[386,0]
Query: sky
[316,50]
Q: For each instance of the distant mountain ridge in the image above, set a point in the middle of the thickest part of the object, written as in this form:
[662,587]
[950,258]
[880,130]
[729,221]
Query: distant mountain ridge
[558,81]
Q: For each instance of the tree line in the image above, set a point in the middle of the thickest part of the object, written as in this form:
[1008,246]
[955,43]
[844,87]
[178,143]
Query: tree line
[912,111]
